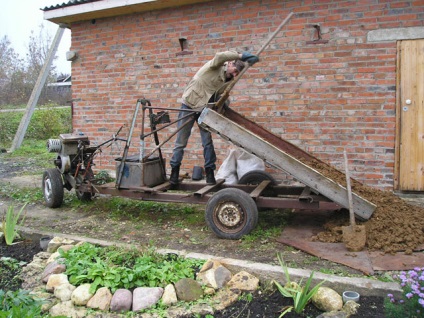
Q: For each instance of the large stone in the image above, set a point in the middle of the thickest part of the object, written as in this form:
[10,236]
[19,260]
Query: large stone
[327,299]
[188,290]
[64,291]
[214,274]
[210,264]
[350,307]
[57,242]
[52,268]
[67,309]
[81,295]
[31,274]
[56,280]
[225,297]
[169,296]
[53,257]
[333,314]
[244,282]
[121,301]
[145,297]
[101,299]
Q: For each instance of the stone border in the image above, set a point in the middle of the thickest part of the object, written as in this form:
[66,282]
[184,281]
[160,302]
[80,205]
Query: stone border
[265,272]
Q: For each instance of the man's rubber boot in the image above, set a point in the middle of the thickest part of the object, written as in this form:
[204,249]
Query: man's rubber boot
[175,175]
[210,178]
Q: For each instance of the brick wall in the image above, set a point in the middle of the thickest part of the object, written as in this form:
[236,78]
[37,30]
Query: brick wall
[324,98]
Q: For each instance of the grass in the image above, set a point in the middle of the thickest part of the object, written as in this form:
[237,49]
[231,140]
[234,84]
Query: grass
[45,123]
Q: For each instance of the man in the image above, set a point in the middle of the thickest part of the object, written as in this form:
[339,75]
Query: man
[211,79]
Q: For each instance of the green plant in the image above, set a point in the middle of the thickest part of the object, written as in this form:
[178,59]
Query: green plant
[102,177]
[10,269]
[115,267]
[411,304]
[10,263]
[10,222]
[301,294]
[19,304]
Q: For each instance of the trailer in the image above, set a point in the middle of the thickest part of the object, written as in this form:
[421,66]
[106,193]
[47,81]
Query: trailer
[231,210]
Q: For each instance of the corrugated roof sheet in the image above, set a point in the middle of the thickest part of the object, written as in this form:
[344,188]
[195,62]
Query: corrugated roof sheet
[68,4]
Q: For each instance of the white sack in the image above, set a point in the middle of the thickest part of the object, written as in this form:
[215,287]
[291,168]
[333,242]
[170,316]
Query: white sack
[228,169]
[247,162]
[238,163]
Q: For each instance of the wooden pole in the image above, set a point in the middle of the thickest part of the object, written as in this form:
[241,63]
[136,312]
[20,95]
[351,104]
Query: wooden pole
[32,102]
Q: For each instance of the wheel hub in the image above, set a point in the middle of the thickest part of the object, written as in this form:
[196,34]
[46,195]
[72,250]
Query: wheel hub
[229,214]
[47,188]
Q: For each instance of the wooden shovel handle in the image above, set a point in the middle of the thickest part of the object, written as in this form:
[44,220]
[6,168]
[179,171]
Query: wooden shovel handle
[349,192]
[226,93]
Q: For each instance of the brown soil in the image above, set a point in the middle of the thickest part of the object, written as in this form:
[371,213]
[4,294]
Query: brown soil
[394,226]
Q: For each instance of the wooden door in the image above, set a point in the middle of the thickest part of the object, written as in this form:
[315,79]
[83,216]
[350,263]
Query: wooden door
[410,116]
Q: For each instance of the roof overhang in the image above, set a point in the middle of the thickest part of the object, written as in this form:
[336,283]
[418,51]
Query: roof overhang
[109,8]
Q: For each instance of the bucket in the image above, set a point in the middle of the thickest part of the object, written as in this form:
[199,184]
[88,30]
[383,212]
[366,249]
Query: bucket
[44,242]
[197,173]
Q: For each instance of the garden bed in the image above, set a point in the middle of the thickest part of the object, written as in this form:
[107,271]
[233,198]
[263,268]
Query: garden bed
[264,304]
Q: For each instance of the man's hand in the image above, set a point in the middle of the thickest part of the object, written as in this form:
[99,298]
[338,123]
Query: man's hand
[249,58]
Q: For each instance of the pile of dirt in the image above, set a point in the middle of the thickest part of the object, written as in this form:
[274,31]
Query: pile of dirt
[394,226]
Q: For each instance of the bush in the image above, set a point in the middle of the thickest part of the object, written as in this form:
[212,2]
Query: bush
[45,123]
[49,123]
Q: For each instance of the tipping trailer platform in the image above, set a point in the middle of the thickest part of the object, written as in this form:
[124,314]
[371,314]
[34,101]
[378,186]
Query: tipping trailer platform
[231,210]
[282,155]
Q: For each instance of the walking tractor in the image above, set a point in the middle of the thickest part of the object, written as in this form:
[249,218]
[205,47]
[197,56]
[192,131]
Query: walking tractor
[231,209]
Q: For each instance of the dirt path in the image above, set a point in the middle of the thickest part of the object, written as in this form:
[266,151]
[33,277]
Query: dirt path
[161,232]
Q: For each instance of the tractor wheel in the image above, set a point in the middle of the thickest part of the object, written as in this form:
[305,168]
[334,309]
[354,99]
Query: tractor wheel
[53,188]
[231,213]
[84,196]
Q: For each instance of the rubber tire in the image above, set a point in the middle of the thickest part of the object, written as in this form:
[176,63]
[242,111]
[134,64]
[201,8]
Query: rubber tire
[243,204]
[85,196]
[52,187]
[255,177]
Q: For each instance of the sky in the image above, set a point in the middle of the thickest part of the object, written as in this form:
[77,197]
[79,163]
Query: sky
[19,17]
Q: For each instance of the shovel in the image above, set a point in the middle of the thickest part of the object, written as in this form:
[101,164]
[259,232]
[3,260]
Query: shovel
[220,103]
[354,236]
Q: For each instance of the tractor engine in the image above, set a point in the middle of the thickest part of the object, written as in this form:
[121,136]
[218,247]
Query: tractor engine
[68,148]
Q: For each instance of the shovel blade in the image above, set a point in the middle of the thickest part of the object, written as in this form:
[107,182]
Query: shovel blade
[354,238]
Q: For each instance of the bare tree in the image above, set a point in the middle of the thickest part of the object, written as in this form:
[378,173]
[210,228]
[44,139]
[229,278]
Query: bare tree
[12,71]
[38,49]
[18,76]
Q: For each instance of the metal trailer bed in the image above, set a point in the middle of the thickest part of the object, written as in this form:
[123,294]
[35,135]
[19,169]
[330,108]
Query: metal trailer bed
[231,210]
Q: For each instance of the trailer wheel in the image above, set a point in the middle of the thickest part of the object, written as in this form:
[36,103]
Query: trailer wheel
[53,188]
[231,213]
[256,177]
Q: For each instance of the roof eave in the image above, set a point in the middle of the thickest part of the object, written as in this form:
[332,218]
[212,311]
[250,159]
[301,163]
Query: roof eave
[108,8]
